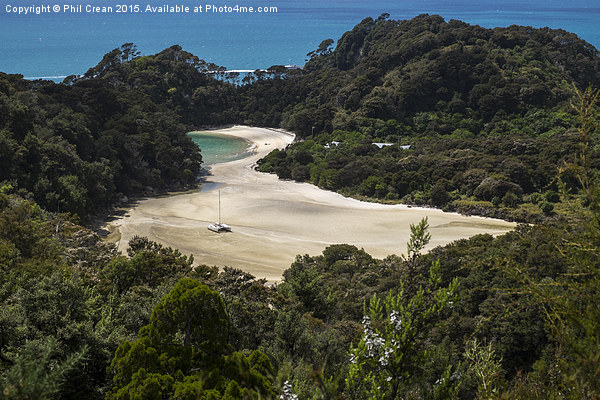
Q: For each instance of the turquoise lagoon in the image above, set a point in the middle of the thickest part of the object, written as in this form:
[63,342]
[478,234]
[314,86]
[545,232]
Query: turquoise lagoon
[217,148]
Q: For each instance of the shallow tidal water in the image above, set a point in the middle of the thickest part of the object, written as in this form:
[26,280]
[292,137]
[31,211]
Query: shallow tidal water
[217,148]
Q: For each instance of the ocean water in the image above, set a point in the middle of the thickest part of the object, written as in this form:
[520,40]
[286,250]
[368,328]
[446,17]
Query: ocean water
[58,44]
[219,148]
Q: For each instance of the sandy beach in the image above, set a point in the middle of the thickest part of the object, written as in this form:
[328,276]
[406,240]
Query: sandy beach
[275,220]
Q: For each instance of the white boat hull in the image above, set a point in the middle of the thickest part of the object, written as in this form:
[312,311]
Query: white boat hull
[219,227]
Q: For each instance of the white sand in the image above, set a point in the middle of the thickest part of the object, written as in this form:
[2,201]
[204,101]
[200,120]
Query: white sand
[274,220]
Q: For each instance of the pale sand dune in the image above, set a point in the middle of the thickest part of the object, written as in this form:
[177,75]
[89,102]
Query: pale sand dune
[275,220]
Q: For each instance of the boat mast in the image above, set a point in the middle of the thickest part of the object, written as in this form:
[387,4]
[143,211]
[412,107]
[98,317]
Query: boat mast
[219,206]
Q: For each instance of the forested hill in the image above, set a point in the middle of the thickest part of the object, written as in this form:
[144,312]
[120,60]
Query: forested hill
[486,113]
[463,76]
[119,130]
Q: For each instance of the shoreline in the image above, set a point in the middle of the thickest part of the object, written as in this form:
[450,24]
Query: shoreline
[247,152]
[274,220]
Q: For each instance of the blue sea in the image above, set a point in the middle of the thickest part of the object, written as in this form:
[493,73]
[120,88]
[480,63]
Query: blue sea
[57,44]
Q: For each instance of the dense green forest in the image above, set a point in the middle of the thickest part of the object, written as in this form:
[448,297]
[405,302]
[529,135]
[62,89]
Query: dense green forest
[496,125]
[486,113]
[119,130]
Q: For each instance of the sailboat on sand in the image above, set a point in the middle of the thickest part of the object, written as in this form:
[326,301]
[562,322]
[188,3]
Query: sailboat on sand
[219,226]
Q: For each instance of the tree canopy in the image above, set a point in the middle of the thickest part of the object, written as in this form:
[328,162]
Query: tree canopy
[421,111]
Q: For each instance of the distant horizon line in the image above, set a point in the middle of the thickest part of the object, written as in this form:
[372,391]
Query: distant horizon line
[241,71]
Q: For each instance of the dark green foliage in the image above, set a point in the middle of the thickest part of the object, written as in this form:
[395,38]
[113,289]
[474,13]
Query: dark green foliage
[510,200]
[80,147]
[57,300]
[486,112]
[546,207]
[389,356]
[569,300]
[148,265]
[183,353]
[251,307]
[432,77]
[551,196]
[38,373]
[487,118]
[439,192]
[442,173]
[489,308]
[199,343]
[191,315]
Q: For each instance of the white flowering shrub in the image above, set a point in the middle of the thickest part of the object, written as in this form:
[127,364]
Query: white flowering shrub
[391,349]
[286,392]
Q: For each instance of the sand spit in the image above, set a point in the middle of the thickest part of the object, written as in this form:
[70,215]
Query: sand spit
[274,220]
